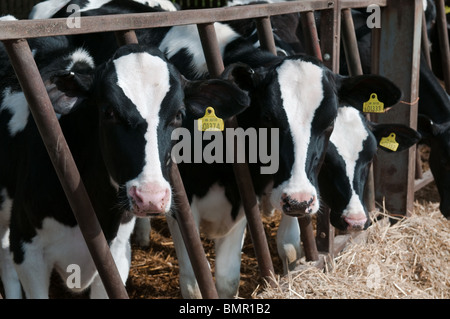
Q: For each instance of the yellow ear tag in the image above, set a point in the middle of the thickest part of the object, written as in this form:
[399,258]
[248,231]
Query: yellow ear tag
[447,9]
[210,122]
[373,105]
[389,142]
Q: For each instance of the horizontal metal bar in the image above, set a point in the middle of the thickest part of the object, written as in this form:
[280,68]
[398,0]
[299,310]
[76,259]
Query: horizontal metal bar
[345,4]
[52,27]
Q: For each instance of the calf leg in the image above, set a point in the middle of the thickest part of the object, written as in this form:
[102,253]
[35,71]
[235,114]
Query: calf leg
[8,274]
[121,253]
[288,242]
[188,282]
[228,260]
[34,271]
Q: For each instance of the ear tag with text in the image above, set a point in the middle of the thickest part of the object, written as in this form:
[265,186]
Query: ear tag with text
[210,122]
[373,105]
[389,142]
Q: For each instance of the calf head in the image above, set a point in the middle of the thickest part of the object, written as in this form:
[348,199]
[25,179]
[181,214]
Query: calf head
[140,99]
[300,97]
[343,176]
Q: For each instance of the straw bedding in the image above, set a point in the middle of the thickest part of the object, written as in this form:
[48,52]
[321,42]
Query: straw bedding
[409,259]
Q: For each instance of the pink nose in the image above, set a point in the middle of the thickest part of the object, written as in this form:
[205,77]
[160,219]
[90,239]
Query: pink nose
[149,199]
[356,222]
[297,204]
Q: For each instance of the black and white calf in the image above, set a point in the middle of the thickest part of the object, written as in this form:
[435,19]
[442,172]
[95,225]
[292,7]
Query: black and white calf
[118,127]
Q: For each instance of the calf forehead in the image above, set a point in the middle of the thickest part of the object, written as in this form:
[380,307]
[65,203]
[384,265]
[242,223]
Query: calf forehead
[349,133]
[145,80]
[301,89]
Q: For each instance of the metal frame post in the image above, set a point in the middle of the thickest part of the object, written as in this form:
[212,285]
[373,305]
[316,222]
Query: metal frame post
[399,58]
[330,30]
[441,24]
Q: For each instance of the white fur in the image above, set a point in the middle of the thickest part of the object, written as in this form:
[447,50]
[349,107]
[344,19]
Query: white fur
[144,79]
[55,247]
[302,92]
[46,9]
[212,214]
[186,37]
[16,104]
[8,273]
[80,56]
[349,144]
[8,18]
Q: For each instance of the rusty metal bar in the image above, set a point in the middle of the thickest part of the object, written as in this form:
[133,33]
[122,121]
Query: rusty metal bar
[425,42]
[211,49]
[361,3]
[310,34]
[52,27]
[241,170]
[191,237]
[330,25]
[308,239]
[400,36]
[350,44]
[31,82]
[265,34]
[183,213]
[444,47]
[126,37]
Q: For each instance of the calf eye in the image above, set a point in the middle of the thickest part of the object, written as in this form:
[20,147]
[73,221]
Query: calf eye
[109,114]
[178,119]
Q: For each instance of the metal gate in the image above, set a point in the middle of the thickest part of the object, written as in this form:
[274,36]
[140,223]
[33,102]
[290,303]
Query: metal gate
[399,36]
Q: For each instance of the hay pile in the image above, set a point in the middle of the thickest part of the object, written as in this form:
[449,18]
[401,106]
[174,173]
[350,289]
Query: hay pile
[410,259]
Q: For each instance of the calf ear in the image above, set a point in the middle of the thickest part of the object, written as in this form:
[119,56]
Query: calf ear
[356,90]
[65,89]
[427,127]
[224,96]
[404,135]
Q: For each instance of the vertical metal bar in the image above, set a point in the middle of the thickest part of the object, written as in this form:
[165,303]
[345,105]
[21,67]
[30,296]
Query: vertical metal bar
[241,170]
[330,29]
[183,213]
[425,42]
[126,37]
[265,34]
[443,42]
[310,34]
[31,82]
[350,44]
[211,49]
[191,237]
[399,54]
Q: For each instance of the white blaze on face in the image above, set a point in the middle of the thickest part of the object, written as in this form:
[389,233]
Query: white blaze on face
[302,93]
[348,136]
[144,79]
